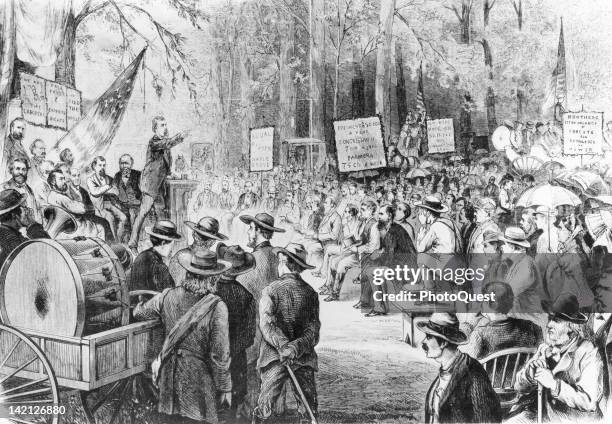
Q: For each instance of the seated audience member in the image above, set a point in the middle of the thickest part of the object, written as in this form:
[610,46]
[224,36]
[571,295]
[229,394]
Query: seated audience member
[104,196]
[127,181]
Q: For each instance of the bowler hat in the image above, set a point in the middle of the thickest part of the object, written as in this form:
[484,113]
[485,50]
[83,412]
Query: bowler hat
[262,220]
[566,308]
[433,204]
[207,227]
[296,252]
[240,260]
[165,230]
[203,262]
[444,325]
[10,199]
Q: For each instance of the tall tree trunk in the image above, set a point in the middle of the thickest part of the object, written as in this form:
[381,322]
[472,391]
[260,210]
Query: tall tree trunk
[246,103]
[490,99]
[518,8]
[64,66]
[317,69]
[337,63]
[383,67]
[7,58]
[287,92]
[357,85]
[402,107]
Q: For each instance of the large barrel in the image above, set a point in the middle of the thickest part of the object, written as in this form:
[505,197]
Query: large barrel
[64,287]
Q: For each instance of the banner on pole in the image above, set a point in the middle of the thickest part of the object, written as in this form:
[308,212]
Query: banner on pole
[582,133]
[440,135]
[359,144]
[261,149]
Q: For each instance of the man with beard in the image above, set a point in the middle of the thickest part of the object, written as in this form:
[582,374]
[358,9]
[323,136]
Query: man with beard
[89,224]
[38,151]
[157,167]
[462,392]
[15,217]
[289,323]
[528,224]
[104,195]
[67,157]
[396,249]
[485,211]
[13,147]
[207,199]
[206,235]
[568,366]
[127,181]
[226,198]
[241,308]
[193,368]
[19,174]
[249,199]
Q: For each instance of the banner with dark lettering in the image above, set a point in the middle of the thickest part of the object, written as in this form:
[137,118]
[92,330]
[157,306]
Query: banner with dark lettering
[359,144]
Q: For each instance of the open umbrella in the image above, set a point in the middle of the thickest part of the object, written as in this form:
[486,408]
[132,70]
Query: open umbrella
[548,195]
[418,172]
[591,183]
[455,158]
[473,180]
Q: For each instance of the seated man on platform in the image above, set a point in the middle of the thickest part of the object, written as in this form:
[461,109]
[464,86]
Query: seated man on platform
[89,225]
[40,187]
[127,181]
[19,169]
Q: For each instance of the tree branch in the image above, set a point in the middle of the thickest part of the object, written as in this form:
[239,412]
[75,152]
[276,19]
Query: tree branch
[455,10]
[282,4]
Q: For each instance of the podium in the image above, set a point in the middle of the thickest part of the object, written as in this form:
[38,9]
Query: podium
[179,194]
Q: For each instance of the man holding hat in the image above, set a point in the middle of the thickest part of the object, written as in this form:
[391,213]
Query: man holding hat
[193,369]
[149,271]
[15,215]
[568,366]
[241,308]
[289,323]
[206,235]
[462,392]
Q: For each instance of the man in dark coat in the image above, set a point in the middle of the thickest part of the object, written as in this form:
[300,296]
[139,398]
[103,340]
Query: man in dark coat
[497,331]
[149,271]
[462,392]
[13,147]
[157,167]
[397,248]
[193,367]
[15,215]
[241,309]
[289,323]
[206,235]
[127,181]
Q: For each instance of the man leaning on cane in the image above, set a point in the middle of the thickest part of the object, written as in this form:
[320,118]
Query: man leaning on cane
[289,323]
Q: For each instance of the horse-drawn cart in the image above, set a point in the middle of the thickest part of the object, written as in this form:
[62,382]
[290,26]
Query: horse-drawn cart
[65,325]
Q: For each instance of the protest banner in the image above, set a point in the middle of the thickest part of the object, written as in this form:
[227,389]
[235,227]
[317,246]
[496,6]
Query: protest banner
[440,135]
[261,149]
[56,105]
[359,144]
[582,133]
[33,99]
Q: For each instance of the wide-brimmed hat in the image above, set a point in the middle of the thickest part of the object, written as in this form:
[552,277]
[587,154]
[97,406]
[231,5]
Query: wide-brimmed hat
[515,235]
[485,203]
[10,199]
[263,220]
[445,326]
[296,252]
[433,204]
[203,262]
[490,237]
[124,255]
[165,230]
[240,260]
[207,227]
[566,308]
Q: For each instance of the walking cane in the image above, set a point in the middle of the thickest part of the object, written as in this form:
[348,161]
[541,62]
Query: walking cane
[313,419]
[540,395]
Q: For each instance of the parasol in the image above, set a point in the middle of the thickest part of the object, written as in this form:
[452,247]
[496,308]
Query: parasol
[548,195]
[456,158]
[418,172]
[501,138]
[527,165]
[586,181]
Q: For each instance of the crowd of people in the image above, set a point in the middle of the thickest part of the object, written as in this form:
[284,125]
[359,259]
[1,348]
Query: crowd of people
[231,316]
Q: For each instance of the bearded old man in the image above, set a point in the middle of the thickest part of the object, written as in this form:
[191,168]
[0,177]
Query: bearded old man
[568,366]
[194,371]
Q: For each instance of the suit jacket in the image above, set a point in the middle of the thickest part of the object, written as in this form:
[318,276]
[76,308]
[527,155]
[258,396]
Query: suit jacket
[27,191]
[492,336]
[468,397]
[241,309]
[97,196]
[13,149]
[265,270]
[580,373]
[330,229]
[158,164]
[289,317]
[476,242]
[149,272]
[129,193]
[199,367]
[397,248]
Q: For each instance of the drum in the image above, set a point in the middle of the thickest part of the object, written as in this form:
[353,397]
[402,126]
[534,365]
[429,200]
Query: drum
[64,287]
[501,138]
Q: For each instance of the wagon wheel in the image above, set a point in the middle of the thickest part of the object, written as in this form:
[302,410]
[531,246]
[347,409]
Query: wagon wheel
[28,387]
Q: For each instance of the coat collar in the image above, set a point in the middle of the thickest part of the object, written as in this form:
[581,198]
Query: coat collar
[262,245]
[567,358]
[458,370]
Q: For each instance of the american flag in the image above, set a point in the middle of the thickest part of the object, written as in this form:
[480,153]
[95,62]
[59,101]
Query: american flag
[557,88]
[93,134]
[420,97]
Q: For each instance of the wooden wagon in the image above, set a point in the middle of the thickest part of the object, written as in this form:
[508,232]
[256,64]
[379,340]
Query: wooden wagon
[101,365]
